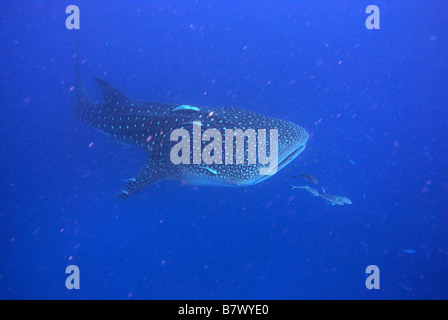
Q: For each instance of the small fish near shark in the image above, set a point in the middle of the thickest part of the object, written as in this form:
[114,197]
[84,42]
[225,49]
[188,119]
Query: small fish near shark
[340,200]
[150,126]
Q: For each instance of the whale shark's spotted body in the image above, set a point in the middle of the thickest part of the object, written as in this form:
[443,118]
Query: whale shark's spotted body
[148,125]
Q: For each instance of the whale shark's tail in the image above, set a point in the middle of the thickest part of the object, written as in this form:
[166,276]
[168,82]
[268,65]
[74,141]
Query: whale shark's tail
[78,83]
[82,99]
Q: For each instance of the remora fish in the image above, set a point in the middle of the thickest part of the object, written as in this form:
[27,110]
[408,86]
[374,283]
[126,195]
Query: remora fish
[340,200]
[148,125]
[307,188]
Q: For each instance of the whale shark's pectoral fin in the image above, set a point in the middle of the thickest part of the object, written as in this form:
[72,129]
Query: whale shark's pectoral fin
[153,171]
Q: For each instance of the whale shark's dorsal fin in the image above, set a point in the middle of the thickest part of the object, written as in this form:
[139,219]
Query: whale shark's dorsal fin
[111,95]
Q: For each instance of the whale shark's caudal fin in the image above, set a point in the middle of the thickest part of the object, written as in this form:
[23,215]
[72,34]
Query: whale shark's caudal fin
[153,171]
[79,89]
[82,98]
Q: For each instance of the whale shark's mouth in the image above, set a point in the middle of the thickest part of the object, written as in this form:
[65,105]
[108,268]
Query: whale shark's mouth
[291,156]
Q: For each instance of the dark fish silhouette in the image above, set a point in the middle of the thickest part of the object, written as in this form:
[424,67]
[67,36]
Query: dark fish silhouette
[308,177]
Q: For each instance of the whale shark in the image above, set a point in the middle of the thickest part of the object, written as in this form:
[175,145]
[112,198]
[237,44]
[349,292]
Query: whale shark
[149,126]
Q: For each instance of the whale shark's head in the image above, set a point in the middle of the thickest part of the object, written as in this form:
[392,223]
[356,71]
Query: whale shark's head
[291,144]
[292,141]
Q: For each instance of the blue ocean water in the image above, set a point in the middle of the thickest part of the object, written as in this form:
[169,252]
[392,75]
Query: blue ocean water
[374,102]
